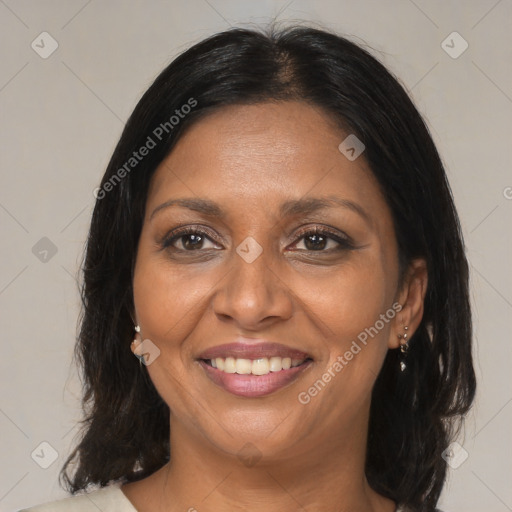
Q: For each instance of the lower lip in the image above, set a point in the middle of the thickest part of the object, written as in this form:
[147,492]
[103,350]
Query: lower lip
[252,386]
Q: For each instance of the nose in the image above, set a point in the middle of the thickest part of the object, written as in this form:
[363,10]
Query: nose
[252,294]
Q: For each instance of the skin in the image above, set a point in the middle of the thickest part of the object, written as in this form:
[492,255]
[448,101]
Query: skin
[249,160]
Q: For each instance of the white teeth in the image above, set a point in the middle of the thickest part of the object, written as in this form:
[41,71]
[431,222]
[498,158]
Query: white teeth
[262,366]
[275,364]
[229,365]
[243,366]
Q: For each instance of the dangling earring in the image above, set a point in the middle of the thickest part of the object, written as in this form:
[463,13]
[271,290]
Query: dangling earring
[137,342]
[404,348]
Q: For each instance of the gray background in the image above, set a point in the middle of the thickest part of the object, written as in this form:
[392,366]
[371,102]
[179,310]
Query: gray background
[61,117]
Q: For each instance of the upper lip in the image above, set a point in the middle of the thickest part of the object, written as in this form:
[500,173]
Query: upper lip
[254,350]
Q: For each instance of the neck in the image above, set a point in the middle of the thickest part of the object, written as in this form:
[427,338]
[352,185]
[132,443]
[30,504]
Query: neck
[316,476]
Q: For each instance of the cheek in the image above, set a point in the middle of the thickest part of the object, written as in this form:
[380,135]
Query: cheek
[352,298]
[161,296]
[350,310]
[166,307]
[357,345]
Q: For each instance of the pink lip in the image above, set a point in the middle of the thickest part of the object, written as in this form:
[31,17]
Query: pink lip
[253,386]
[244,350]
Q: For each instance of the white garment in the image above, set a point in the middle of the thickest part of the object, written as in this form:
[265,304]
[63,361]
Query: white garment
[106,499]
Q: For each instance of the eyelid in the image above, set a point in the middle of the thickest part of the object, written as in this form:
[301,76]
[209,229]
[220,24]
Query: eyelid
[326,230]
[185,229]
[342,239]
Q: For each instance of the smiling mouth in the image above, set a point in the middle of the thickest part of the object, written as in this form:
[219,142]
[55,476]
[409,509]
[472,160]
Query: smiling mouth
[257,367]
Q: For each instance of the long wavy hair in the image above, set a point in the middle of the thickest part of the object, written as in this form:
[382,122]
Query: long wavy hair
[414,415]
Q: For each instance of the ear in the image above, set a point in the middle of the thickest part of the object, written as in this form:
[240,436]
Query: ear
[411,297]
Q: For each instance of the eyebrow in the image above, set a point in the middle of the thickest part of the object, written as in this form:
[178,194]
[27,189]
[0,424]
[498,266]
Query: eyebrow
[303,206]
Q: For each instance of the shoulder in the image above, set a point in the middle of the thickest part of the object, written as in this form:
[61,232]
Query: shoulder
[106,499]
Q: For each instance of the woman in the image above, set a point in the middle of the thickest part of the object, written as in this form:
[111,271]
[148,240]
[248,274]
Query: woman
[276,241]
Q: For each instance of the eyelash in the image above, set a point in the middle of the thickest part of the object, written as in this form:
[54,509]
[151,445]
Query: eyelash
[345,243]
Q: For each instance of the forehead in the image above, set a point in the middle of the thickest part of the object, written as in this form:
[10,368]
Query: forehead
[260,154]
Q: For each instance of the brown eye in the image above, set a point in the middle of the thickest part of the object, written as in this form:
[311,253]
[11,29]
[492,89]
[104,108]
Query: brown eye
[322,240]
[190,239]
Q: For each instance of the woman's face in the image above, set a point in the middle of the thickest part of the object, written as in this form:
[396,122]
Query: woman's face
[256,272]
